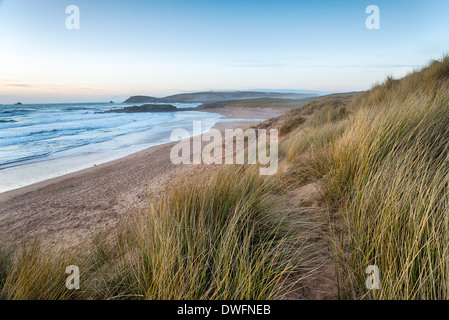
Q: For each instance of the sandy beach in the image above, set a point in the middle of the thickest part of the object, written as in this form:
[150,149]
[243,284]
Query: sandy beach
[69,209]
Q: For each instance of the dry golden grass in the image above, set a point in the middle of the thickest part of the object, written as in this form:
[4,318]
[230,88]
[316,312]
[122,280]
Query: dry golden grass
[227,236]
[386,172]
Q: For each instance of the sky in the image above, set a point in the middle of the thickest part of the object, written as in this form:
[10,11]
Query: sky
[158,48]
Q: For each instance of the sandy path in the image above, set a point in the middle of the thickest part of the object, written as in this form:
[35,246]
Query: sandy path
[68,209]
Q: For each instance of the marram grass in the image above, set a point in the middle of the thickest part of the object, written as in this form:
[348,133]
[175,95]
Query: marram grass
[386,181]
[220,237]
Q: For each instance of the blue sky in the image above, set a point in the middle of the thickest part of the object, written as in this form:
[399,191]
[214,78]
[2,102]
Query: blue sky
[158,48]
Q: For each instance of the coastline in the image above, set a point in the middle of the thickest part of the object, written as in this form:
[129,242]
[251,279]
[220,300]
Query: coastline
[70,208]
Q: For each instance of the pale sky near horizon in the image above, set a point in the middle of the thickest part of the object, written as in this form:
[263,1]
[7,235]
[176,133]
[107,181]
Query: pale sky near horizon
[158,48]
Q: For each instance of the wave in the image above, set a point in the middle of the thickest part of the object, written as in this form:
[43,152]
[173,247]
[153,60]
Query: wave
[67,131]
[16,161]
[53,132]
[18,111]
[76,109]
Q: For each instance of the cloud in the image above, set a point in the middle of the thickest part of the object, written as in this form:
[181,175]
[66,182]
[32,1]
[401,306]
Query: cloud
[23,85]
[13,83]
[52,88]
[257,65]
[371,66]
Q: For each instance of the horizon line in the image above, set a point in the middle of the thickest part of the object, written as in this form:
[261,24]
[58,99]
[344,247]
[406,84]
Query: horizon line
[111,98]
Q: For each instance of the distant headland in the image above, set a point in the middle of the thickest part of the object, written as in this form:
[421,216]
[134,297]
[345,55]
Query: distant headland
[214,96]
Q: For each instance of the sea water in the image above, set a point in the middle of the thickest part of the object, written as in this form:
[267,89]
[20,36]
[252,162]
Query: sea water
[40,142]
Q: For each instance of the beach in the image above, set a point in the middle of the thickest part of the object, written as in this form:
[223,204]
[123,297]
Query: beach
[69,209]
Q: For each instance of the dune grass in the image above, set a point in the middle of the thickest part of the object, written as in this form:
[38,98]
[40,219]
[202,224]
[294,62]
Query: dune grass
[381,158]
[385,167]
[221,237]
[389,176]
[32,273]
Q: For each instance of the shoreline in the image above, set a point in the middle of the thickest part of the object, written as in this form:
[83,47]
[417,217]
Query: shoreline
[71,207]
[19,176]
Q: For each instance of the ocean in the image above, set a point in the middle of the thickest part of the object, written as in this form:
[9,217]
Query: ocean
[40,142]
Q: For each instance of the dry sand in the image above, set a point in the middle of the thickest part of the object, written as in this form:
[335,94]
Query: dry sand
[71,208]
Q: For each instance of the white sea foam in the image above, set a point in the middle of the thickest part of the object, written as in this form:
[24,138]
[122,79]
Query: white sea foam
[47,141]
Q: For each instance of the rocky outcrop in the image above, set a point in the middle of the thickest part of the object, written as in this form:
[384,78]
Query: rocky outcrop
[145,108]
[141,99]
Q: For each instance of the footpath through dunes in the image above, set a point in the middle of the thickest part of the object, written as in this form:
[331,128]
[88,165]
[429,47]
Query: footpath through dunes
[300,132]
[381,158]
